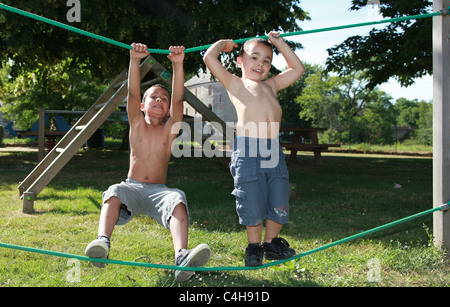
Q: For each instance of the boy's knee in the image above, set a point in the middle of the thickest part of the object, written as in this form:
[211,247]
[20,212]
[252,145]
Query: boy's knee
[180,211]
[113,203]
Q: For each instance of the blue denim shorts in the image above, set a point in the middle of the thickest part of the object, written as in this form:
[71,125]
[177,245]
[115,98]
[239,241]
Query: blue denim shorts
[261,181]
[154,200]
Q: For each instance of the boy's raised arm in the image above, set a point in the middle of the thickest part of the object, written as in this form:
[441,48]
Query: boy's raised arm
[176,56]
[138,52]
[211,59]
[295,66]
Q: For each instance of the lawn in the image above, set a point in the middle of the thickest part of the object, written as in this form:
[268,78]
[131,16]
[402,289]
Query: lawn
[346,195]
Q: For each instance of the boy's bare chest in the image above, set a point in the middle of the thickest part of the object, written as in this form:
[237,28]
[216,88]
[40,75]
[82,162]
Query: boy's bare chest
[256,89]
[148,141]
[256,96]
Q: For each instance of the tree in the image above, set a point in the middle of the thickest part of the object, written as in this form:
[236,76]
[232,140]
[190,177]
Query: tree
[64,86]
[158,23]
[375,121]
[291,109]
[424,133]
[402,50]
[350,110]
[407,112]
[36,48]
[419,116]
[318,101]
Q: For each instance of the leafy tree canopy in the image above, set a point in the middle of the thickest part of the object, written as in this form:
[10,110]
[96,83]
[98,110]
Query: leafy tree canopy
[402,49]
[47,66]
[158,23]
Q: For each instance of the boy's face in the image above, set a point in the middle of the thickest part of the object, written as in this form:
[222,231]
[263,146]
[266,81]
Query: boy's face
[256,61]
[156,102]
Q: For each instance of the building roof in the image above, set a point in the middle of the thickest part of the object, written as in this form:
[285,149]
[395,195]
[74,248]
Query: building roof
[201,78]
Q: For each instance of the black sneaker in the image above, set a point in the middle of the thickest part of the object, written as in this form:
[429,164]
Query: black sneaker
[197,257]
[278,249]
[254,254]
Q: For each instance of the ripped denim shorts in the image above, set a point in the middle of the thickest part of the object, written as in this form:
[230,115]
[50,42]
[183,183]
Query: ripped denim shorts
[261,181]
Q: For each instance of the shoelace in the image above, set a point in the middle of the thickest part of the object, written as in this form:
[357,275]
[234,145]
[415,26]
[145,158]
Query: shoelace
[182,254]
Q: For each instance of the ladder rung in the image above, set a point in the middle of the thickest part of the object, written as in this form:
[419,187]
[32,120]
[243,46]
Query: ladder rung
[81,127]
[99,106]
[150,82]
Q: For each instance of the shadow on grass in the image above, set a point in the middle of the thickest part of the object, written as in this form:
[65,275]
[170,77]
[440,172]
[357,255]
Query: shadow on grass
[342,197]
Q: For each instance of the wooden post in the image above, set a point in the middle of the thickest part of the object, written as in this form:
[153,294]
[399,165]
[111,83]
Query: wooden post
[441,124]
[28,202]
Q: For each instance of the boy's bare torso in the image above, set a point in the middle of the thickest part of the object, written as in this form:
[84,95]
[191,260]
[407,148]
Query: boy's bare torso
[150,151]
[151,136]
[257,107]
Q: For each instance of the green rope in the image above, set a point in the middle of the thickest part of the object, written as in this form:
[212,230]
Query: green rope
[204,47]
[237,268]
[359,235]
[73,29]
[354,25]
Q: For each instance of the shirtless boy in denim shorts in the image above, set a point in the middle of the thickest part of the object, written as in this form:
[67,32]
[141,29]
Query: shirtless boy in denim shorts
[144,192]
[257,163]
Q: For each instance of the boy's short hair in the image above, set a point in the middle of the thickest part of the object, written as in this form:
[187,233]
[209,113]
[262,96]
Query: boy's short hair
[255,40]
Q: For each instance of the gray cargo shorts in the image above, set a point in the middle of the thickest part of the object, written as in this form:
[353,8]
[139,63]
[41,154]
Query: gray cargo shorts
[155,200]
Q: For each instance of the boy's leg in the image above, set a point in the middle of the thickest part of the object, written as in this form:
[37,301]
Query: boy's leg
[275,248]
[272,230]
[254,234]
[179,227]
[109,216]
[199,256]
[254,253]
[99,248]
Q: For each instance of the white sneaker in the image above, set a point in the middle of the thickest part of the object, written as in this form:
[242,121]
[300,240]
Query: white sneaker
[197,257]
[99,248]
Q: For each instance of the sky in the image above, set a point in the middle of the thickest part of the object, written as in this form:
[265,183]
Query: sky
[330,13]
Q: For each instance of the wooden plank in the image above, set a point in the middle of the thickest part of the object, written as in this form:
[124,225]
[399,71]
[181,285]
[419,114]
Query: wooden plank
[317,149]
[308,147]
[37,133]
[60,159]
[48,159]
[303,129]
[52,155]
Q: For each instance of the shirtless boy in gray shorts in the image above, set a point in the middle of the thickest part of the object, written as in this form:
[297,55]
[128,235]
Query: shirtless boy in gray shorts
[144,192]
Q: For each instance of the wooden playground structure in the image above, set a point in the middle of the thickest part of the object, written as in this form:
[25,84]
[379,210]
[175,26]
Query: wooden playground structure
[49,165]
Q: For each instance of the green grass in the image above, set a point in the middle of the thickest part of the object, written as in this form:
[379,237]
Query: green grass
[344,196]
[398,148]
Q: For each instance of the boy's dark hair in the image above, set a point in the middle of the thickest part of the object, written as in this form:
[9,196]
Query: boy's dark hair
[255,40]
[161,86]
